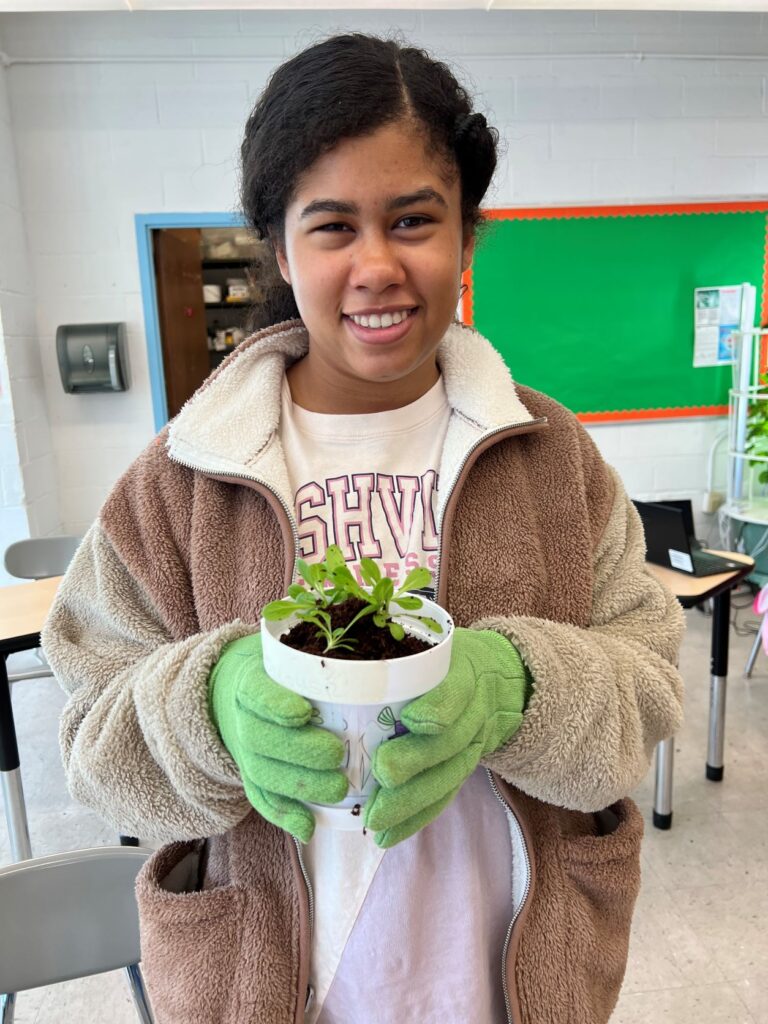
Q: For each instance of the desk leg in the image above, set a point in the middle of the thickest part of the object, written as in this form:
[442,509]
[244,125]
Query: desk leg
[10,774]
[721,625]
[662,803]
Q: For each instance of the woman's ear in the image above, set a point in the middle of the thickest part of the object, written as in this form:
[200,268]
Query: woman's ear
[282,260]
[467,250]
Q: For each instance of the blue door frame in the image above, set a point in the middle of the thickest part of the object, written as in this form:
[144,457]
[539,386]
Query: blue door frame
[146,223]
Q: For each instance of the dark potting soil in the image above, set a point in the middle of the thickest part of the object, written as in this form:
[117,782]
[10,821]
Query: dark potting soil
[373,642]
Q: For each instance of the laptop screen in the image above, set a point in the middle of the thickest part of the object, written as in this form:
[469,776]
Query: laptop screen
[666,538]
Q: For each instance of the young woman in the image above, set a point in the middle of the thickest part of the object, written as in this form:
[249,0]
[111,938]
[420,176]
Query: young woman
[501,863]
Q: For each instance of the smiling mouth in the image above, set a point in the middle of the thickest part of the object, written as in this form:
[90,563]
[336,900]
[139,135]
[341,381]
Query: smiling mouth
[380,321]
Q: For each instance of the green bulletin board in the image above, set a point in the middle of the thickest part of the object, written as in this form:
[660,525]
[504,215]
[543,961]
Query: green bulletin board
[594,306]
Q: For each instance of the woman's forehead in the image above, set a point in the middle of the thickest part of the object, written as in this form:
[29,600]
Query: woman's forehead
[380,169]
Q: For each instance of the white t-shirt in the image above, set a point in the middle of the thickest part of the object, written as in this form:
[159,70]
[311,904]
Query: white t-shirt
[367,482]
[383,922]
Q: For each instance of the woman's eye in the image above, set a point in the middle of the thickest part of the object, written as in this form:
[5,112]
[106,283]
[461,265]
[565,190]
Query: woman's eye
[336,226]
[415,220]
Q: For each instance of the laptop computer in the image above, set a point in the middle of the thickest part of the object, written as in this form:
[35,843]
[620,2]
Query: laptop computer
[670,542]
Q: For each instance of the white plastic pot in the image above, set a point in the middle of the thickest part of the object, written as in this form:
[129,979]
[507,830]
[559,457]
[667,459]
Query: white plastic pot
[360,701]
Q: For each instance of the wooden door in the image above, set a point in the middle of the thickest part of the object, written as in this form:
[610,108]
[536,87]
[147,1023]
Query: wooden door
[179,278]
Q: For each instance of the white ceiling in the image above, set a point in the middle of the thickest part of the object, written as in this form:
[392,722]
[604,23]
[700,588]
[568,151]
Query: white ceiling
[363,5]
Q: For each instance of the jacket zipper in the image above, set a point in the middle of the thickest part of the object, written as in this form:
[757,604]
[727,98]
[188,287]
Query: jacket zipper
[311,907]
[526,891]
[467,456]
[206,471]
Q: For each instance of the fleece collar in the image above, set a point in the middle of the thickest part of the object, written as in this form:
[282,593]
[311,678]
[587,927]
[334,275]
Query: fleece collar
[230,425]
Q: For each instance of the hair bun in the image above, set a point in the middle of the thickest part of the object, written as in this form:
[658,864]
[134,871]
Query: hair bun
[468,126]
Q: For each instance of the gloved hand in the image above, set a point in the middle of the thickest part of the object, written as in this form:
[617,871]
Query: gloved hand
[283,760]
[472,712]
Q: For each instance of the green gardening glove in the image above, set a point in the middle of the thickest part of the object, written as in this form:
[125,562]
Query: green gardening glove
[283,760]
[476,709]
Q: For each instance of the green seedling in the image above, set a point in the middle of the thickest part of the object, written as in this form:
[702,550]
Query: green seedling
[331,582]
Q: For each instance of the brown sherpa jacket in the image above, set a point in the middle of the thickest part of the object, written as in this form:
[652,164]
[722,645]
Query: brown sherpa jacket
[538,541]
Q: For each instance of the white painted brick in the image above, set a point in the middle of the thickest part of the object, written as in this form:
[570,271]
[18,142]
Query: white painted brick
[34,439]
[44,518]
[80,505]
[636,474]
[129,76]
[47,97]
[40,477]
[254,74]
[528,139]
[761,176]
[720,23]
[83,169]
[9,185]
[667,22]
[743,137]
[221,143]
[14,270]
[23,357]
[626,97]
[681,473]
[210,186]
[552,98]
[66,230]
[633,179]
[556,182]
[12,487]
[55,275]
[715,176]
[265,49]
[665,138]
[14,525]
[527,22]
[686,437]
[29,401]
[18,315]
[723,97]
[597,139]
[607,437]
[9,446]
[210,105]
[651,43]
[593,43]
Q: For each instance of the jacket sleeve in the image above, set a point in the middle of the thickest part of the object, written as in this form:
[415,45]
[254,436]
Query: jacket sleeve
[605,695]
[136,738]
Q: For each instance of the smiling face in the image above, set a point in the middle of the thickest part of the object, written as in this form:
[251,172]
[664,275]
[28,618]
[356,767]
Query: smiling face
[374,250]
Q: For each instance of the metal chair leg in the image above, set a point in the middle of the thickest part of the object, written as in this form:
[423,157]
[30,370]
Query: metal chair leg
[7,1003]
[662,803]
[754,652]
[139,993]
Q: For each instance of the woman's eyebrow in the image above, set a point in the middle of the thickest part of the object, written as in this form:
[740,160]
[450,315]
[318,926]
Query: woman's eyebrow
[422,195]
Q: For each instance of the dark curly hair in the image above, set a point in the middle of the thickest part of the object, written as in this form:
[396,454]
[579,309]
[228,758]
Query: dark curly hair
[341,88]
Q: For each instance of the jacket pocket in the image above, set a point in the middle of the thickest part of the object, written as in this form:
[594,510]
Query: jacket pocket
[602,874]
[190,939]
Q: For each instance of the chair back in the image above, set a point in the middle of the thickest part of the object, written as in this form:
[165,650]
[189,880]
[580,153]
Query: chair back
[41,557]
[68,916]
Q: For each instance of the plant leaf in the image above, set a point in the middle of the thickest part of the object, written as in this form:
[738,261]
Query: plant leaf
[409,603]
[334,558]
[296,589]
[396,630]
[431,624]
[380,619]
[277,610]
[370,571]
[416,579]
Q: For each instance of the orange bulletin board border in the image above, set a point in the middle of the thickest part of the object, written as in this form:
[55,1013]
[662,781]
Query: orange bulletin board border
[631,210]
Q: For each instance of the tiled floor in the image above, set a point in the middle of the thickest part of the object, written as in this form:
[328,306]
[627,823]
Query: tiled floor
[699,951]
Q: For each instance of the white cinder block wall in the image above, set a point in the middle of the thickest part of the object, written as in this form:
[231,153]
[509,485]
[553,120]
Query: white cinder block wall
[147,112]
[29,484]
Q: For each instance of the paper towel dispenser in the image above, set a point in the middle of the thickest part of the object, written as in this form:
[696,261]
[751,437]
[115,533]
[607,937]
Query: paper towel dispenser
[91,357]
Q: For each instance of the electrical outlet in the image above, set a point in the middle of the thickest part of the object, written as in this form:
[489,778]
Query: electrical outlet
[712,501]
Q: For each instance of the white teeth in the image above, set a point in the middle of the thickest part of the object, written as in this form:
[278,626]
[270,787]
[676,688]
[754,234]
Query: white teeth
[385,320]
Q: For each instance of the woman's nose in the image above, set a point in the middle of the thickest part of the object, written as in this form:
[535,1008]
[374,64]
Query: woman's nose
[376,265]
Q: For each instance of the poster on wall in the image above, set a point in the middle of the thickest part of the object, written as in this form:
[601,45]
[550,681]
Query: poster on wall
[718,313]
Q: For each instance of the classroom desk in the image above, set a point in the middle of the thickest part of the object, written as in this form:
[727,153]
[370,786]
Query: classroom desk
[23,609]
[690,591]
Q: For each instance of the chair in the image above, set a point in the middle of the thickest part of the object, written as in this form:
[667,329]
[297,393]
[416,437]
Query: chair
[68,916]
[38,559]
[759,607]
